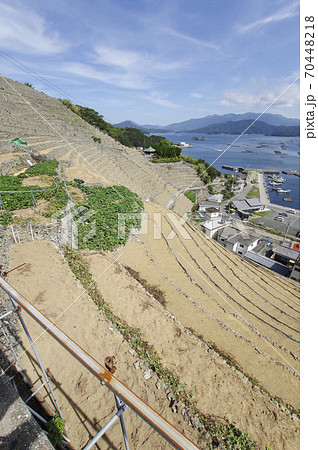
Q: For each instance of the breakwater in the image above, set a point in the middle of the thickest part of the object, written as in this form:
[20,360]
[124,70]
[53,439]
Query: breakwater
[242,169]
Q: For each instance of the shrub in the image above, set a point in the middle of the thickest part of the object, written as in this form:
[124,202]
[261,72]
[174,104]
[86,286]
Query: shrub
[191,196]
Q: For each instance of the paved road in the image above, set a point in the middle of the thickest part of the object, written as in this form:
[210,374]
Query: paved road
[290,224]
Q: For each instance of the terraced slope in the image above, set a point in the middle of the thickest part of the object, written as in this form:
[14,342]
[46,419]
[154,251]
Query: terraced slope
[246,313]
[249,313]
[53,130]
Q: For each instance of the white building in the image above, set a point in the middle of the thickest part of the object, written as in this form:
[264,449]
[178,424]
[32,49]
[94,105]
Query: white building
[213,222]
[237,241]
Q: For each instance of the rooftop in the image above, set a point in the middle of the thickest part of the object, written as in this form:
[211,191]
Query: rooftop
[267,262]
[247,204]
[287,252]
[242,238]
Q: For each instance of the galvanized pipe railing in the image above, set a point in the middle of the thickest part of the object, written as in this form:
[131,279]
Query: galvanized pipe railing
[149,415]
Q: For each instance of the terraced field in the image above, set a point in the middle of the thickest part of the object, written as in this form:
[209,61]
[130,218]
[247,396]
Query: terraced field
[246,311]
[246,318]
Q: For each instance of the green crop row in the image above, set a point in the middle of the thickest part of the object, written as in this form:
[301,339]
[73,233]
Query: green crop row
[107,217]
[45,168]
[12,201]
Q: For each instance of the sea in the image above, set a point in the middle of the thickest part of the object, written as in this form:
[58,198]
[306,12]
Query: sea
[263,157]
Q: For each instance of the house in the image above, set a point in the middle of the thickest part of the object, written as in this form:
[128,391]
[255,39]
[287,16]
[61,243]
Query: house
[267,262]
[289,257]
[215,198]
[285,255]
[237,241]
[213,222]
[247,206]
[284,260]
[206,204]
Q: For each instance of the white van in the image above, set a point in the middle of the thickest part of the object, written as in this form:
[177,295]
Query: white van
[292,211]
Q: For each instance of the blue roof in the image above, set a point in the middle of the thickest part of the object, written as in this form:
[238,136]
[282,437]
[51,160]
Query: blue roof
[268,262]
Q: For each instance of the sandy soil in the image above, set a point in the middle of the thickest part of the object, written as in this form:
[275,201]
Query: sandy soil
[7,156]
[23,214]
[76,193]
[253,316]
[47,282]
[218,389]
[43,181]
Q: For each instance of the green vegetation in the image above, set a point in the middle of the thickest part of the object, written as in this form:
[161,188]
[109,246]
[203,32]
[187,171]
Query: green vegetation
[11,201]
[166,160]
[108,206]
[191,196]
[55,429]
[129,136]
[261,213]
[28,84]
[220,430]
[227,190]
[164,149]
[45,168]
[254,192]
[205,171]
[97,139]
[211,189]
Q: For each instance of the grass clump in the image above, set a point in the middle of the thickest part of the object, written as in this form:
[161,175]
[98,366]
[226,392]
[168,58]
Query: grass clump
[191,196]
[46,167]
[155,291]
[55,429]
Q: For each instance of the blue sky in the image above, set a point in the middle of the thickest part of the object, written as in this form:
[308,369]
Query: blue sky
[157,62]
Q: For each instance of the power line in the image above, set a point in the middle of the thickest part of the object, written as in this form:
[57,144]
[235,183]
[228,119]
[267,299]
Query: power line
[40,78]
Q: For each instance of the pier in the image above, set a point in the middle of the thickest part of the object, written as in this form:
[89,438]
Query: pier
[292,172]
[241,169]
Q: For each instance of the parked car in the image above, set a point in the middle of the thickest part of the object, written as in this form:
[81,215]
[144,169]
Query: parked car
[283,214]
[279,218]
[292,211]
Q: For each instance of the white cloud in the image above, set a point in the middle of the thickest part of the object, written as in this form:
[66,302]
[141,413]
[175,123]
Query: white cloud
[284,13]
[285,96]
[116,57]
[139,62]
[196,95]
[161,99]
[123,80]
[25,31]
[191,39]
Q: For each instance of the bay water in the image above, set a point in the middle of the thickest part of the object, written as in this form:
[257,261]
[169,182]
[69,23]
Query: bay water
[260,154]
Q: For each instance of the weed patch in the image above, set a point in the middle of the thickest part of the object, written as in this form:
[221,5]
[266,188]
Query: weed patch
[155,291]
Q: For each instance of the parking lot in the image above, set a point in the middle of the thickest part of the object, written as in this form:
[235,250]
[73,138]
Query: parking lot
[291,223]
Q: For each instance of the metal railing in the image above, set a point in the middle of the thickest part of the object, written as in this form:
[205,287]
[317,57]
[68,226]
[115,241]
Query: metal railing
[123,395]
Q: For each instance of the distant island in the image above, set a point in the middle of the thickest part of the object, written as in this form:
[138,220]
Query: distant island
[250,127]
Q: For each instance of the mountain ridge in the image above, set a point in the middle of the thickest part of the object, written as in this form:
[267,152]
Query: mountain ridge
[197,125]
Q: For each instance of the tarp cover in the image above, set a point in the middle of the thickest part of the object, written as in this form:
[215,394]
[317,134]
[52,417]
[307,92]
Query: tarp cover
[20,142]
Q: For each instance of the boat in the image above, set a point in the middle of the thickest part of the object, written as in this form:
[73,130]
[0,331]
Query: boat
[283,191]
[275,183]
[184,145]
[278,152]
[278,179]
[287,199]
